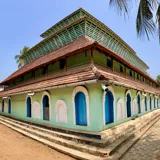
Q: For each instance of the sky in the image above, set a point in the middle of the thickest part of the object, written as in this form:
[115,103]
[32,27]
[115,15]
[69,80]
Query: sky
[22,22]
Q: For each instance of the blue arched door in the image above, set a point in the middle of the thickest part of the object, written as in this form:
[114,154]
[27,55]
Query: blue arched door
[45,107]
[28,107]
[3,105]
[139,104]
[109,111]
[154,102]
[80,109]
[9,106]
[150,103]
[128,104]
[145,103]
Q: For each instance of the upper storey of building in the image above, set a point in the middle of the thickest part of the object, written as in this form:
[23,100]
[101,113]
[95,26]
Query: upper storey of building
[78,24]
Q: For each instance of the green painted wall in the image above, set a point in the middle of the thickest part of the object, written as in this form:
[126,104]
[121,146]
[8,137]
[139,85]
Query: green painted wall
[79,59]
[95,99]
[96,95]
[99,58]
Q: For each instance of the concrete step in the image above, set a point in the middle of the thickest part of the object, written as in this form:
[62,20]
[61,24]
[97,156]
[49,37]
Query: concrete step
[80,139]
[43,133]
[71,152]
[67,143]
[126,146]
[109,148]
[131,126]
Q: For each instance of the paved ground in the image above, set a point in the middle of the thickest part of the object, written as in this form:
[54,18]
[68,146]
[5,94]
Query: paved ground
[14,146]
[148,147]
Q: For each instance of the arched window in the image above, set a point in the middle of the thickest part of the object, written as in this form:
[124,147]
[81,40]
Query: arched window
[3,105]
[135,108]
[9,106]
[145,99]
[139,104]
[46,107]
[29,106]
[36,110]
[128,104]
[109,108]
[120,109]
[61,111]
[80,108]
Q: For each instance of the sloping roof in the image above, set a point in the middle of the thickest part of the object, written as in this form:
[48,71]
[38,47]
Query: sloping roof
[119,77]
[75,46]
[86,74]
[68,49]
[44,85]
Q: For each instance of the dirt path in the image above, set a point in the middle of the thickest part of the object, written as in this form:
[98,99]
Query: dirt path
[14,146]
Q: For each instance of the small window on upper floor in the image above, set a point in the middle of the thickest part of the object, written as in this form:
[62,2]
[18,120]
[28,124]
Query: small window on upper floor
[33,74]
[62,63]
[130,72]
[44,70]
[137,76]
[109,62]
[143,79]
[121,68]
[21,78]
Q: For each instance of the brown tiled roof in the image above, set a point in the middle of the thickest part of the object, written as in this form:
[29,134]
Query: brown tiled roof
[122,79]
[75,46]
[86,74]
[44,85]
[68,49]
[126,62]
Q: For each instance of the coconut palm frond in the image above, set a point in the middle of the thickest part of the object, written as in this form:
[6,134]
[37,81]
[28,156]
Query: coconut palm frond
[16,57]
[122,6]
[19,59]
[158,20]
[145,23]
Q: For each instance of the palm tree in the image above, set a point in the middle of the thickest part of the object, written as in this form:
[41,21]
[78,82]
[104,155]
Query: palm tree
[18,57]
[158,79]
[148,16]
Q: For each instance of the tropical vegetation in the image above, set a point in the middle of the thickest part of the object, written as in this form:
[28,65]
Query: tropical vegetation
[148,15]
[18,57]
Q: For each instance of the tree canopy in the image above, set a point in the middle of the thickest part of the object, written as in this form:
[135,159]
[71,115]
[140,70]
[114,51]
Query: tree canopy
[148,15]
[19,59]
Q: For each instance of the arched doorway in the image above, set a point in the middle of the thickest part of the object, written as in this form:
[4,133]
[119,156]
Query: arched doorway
[109,111]
[29,105]
[3,105]
[145,99]
[139,104]
[46,106]
[128,104]
[154,102]
[9,106]
[80,109]
[150,103]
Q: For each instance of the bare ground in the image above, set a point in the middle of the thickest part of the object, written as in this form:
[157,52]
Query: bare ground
[15,146]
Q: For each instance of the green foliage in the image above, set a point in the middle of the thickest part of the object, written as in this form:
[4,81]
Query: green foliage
[18,57]
[158,79]
[147,22]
